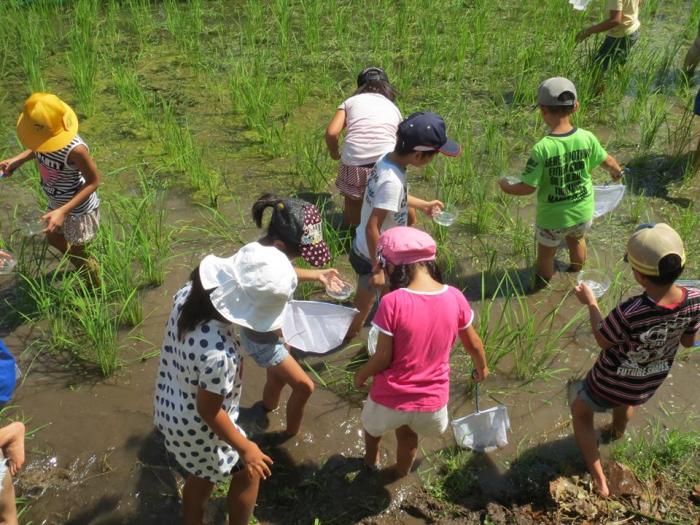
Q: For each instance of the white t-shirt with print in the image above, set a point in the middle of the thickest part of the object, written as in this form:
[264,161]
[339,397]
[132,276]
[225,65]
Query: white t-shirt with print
[371,121]
[386,190]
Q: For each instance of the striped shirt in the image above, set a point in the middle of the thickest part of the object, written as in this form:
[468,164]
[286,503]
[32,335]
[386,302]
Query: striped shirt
[646,338]
[61,180]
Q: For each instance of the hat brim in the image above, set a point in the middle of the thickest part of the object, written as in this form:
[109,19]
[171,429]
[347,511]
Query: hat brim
[34,141]
[236,307]
[316,254]
[450,148]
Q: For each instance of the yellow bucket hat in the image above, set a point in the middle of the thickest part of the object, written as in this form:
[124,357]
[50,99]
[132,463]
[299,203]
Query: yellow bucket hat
[46,124]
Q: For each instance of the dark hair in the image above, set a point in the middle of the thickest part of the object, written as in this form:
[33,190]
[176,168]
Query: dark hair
[282,227]
[197,308]
[401,148]
[670,269]
[563,111]
[403,274]
[375,80]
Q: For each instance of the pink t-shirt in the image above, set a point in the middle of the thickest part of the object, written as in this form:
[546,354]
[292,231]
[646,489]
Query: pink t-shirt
[424,327]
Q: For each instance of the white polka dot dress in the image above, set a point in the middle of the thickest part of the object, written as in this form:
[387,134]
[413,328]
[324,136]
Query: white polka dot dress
[208,358]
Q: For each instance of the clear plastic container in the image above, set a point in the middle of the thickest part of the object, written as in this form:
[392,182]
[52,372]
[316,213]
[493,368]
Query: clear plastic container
[32,227]
[597,280]
[342,294]
[7,262]
[447,216]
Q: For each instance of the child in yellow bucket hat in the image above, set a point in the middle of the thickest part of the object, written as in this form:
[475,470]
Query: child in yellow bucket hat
[48,128]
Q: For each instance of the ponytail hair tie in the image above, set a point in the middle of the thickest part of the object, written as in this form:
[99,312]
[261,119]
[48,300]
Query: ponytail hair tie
[280,205]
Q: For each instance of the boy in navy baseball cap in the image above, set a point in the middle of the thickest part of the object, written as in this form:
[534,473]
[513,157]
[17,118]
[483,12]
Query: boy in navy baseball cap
[386,201]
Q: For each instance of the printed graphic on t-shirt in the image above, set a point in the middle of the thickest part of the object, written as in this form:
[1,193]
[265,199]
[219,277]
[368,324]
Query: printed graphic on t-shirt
[565,175]
[657,346]
[399,217]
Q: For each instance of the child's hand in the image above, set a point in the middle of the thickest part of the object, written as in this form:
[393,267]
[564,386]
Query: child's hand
[256,463]
[359,380]
[7,166]
[329,278]
[14,451]
[479,374]
[584,294]
[582,35]
[433,207]
[54,220]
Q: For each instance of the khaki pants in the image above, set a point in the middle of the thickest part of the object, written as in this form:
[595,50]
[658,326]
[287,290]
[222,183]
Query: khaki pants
[692,58]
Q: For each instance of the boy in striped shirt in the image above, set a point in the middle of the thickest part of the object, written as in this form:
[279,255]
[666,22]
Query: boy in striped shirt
[639,340]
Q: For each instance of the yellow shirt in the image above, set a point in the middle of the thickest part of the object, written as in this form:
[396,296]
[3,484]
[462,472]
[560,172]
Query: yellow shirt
[630,16]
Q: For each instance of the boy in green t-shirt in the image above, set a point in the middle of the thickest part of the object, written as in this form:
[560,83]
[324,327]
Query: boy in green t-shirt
[559,170]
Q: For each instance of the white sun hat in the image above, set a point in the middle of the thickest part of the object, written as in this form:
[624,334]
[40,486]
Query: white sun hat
[251,288]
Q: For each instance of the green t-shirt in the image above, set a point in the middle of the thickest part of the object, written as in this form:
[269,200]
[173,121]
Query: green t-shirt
[560,168]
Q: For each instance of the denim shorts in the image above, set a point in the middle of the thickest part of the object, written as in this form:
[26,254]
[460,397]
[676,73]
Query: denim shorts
[579,390]
[266,348]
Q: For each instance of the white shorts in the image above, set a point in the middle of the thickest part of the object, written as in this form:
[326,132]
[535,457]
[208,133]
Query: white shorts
[378,419]
[552,238]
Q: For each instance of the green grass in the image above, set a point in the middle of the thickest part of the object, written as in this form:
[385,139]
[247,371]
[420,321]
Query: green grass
[448,476]
[657,452]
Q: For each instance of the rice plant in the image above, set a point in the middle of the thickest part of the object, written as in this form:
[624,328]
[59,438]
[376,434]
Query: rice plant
[83,55]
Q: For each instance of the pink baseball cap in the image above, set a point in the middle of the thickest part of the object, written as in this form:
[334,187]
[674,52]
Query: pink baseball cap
[406,245]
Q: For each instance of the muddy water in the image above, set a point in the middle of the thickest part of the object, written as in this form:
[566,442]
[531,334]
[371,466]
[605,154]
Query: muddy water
[95,458]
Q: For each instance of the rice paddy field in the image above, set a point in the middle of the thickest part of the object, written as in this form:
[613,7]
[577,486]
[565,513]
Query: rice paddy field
[194,108]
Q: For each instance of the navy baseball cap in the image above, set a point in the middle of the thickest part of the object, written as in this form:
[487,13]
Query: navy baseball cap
[425,131]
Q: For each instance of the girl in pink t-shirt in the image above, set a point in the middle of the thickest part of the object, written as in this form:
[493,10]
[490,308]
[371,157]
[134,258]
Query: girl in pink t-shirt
[418,323]
[370,120]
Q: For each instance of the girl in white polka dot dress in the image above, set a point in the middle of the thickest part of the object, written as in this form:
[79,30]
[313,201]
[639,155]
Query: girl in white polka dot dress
[198,390]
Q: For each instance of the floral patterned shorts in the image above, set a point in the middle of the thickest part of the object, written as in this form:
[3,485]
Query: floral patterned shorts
[81,229]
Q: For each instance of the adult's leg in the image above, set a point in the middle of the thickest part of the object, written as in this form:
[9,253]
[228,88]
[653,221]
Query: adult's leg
[584,433]
[288,372]
[577,253]
[371,449]
[194,498]
[406,449]
[544,267]
[242,495]
[352,211]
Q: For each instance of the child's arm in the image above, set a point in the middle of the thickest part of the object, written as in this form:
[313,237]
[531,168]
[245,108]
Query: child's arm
[80,157]
[516,189]
[428,207]
[380,361]
[612,22]
[585,295]
[8,166]
[475,348]
[328,277]
[372,233]
[335,127]
[209,407]
[612,167]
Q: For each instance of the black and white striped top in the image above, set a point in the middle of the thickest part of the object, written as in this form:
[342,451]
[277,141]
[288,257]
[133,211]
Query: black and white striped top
[61,181]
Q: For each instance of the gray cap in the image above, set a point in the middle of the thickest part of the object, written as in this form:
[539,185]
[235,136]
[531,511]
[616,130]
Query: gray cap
[551,89]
